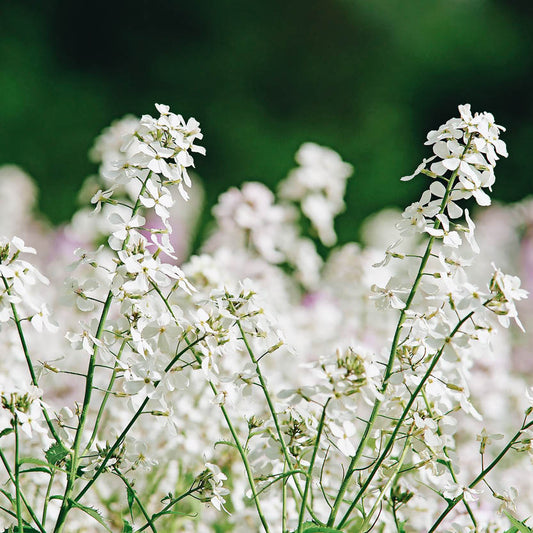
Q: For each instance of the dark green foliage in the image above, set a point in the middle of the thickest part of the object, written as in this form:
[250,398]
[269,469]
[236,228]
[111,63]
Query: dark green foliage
[362,77]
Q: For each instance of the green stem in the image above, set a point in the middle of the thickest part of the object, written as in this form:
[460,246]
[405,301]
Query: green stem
[284,499]
[242,453]
[449,464]
[22,497]
[481,476]
[167,507]
[105,398]
[17,474]
[29,364]
[137,501]
[272,412]
[47,497]
[391,480]
[75,455]
[392,355]
[130,424]
[310,469]
[392,437]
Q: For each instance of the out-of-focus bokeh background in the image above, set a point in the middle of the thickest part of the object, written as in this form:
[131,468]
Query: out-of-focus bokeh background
[367,78]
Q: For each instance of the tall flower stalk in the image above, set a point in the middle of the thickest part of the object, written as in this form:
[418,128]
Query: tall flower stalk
[259,386]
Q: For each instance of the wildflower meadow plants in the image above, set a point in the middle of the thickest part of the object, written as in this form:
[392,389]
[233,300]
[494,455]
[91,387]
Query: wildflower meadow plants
[258,385]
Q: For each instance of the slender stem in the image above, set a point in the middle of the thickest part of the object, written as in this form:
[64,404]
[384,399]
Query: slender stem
[449,464]
[130,424]
[22,497]
[389,482]
[137,501]
[17,474]
[47,496]
[105,398]
[392,355]
[29,363]
[75,455]
[480,477]
[392,437]
[228,421]
[265,391]
[310,469]
[272,413]
[167,507]
[242,453]
[284,499]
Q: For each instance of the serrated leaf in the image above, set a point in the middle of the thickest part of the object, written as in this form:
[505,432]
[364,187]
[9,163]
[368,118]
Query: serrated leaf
[56,453]
[520,526]
[126,527]
[93,513]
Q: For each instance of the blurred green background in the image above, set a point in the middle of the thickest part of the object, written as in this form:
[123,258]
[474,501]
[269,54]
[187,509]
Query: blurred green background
[368,78]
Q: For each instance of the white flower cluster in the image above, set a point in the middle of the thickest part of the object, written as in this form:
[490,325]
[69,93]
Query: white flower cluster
[318,184]
[18,280]
[310,393]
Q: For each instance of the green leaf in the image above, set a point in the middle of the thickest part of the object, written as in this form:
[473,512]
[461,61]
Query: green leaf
[25,529]
[5,432]
[131,499]
[126,527]
[42,469]
[401,527]
[520,526]
[93,513]
[311,527]
[56,453]
[34,461]
[226,443]
[7,495]
[322,529]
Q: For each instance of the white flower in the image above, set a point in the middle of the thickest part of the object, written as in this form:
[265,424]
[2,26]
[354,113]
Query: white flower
[449,238]
[386,297]
[159,198]
[418,169]
[101,197]
[344,433]
[414,216]
[439,190]
[389,254]
[211,488]
[454,490]
[41,320]
[31,419]
[141,378]
[429,430]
